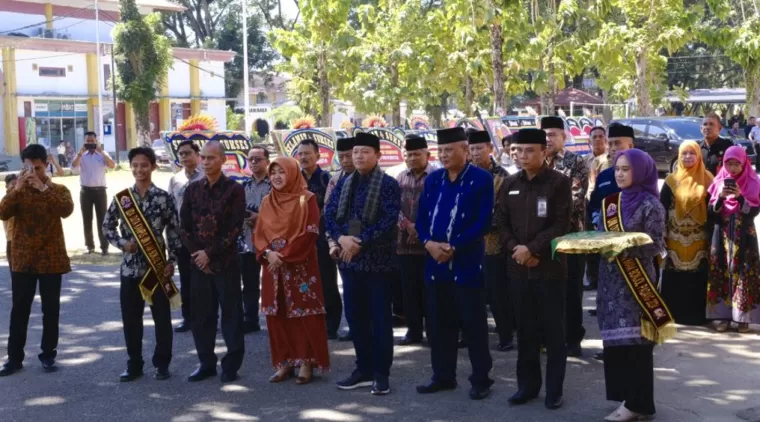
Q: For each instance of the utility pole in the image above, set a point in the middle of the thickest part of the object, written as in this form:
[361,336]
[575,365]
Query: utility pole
[246,89]
[115,125]
[99,115]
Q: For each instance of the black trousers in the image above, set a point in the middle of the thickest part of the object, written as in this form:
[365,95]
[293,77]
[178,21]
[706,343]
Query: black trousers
[447,305]
[250,270]
[184,263]
[132,309]
[90,198]
[575,332]
[413,287]
[629,376]
[397,294]
[497,288]
[23,288]
[328,271]
[211,291]
[62,160]
[540,311]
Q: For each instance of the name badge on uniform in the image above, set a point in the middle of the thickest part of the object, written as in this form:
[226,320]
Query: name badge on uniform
[514,192]
[541,207]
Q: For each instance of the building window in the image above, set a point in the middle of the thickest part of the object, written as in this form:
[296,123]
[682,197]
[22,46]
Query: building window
[54,72]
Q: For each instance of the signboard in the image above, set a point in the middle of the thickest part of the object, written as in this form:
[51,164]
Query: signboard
[498,130]
[56,108]
[288,140]
[236,147]
[432,140]
[391,145]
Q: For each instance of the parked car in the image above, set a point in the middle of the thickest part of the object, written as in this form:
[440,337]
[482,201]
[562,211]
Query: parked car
[661,137]
[162,155]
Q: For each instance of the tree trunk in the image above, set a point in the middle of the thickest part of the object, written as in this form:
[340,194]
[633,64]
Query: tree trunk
[142,124]
[641,85]
[606,111]
[324,91]
[752,84]
[469,95]
[499,97]
[395,102]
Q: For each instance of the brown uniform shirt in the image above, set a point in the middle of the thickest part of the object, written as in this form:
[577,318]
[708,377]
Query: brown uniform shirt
[37,239]
[532,213]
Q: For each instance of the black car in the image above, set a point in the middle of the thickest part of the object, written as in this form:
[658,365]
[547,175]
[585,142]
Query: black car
[661,137]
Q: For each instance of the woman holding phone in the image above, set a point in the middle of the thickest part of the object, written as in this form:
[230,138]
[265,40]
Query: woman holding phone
[733,287]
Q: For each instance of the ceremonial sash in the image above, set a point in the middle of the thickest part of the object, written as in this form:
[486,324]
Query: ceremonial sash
[657,323]
[151,250]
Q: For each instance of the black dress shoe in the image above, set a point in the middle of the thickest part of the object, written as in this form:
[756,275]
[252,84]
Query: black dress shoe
[589,287]
[183,327]
[521,397]
[229,377]
[130,375]
[201,374]
[104,252]
[505,347]
[345,337]
[398,321]
[599,356]
[575,351]
[479,393]
[407,341]
[332,336]
[48,365]
[434,387]
[592,312]
[10,368]
[553,403]
[251,327]
[162,374]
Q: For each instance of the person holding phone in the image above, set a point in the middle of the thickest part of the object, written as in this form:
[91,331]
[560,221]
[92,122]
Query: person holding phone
[92,163]
[733,285]
[37,206]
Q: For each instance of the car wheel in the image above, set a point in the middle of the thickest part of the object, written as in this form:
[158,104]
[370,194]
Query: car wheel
[673,163]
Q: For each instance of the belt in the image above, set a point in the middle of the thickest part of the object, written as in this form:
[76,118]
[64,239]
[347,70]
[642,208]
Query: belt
[93,188]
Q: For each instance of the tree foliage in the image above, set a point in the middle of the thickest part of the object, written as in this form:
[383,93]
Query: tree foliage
[143,56]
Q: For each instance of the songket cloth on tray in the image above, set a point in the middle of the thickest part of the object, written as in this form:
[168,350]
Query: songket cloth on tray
[607,244]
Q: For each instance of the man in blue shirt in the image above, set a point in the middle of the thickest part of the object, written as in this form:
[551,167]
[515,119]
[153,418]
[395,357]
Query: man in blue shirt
[454,215]
[361,214]
[317,181]
[620,139]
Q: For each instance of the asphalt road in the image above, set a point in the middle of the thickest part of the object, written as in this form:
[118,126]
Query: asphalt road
[699,376]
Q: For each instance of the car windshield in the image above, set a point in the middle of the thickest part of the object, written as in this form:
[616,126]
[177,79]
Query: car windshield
[686,129]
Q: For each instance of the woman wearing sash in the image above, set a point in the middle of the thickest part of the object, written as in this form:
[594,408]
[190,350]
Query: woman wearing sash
[733,289]
[685,198]
[628,333]
[291,289]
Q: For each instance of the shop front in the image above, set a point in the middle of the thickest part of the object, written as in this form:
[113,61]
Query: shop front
[59,120]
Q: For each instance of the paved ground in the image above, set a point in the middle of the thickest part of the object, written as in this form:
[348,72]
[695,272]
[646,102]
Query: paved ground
[700,376]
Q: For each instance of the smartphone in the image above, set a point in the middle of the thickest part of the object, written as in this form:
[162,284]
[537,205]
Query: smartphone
[27,168]
[91,146]
[729,183]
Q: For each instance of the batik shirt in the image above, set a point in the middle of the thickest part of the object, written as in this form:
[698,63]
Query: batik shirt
[458,213]
[493,246]
[573,166]
[378,241]
[161,214]
[411,190]
[254,194]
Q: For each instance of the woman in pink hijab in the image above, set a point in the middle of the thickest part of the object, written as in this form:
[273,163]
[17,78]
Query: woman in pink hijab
[733,288]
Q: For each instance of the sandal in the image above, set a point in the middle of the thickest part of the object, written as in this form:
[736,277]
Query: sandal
[281,375]
[301,380]
[743,328]
[722,326]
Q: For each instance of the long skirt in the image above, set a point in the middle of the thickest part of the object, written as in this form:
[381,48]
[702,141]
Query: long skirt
[629,376]
[685,294]
[298,340]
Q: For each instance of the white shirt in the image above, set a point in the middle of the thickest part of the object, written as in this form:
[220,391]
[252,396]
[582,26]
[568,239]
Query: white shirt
[179,182]
[92,170]
[61,149]
[754,134]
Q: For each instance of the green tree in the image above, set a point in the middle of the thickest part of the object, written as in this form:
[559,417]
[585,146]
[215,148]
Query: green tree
[143,56]
[732,25]
[314,53]
[633,39]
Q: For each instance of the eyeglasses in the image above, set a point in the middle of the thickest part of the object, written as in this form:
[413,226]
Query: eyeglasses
[256,160]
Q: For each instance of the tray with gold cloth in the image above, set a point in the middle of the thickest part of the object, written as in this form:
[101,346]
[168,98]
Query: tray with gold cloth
[607,244]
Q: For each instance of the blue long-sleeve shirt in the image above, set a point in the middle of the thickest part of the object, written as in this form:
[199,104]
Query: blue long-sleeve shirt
[458,213]
[378,241]
[605,186]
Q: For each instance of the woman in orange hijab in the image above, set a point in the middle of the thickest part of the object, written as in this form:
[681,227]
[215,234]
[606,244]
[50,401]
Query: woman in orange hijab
[684,196]
[291,289]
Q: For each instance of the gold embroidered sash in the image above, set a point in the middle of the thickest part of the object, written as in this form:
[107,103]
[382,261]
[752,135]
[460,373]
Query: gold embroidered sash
[657,323]
[151,250]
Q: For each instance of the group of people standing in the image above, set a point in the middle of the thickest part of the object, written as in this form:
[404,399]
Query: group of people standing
[463,237]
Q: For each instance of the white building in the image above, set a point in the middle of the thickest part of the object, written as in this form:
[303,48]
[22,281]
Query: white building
[49,75]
